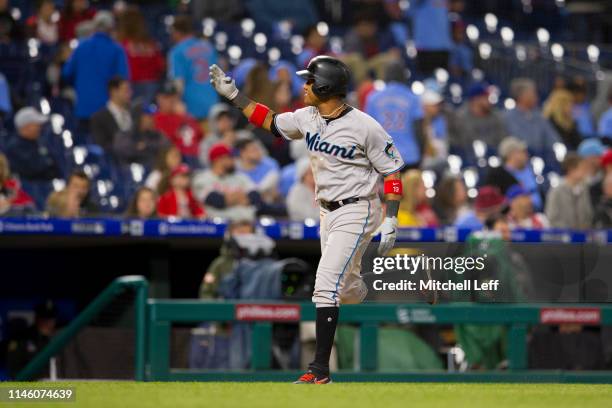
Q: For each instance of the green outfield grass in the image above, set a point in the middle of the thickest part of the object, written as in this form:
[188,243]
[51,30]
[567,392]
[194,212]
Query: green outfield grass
[337,395]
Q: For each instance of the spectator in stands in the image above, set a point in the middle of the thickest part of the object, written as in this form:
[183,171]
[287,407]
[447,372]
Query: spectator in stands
[568,205]
[591,151]
[63,204]
[176,198]
[414,209]
[400,112]
[74,13]
[94,62]
[221,129]
[226,11]
[435,148]
[514,170]
[225,192]
[42,25]
[13,200]
[461,58]
[431,33]
[520,210]
[315,43]
[78,187]
[30,158]
[168,159]
[182,129]
[144,55]
[301,200]
[451,200]
[582,107]
[367,46]
[558,109]
[268,13]
[116,119]
[526,122]
[143,204]
[603,211]
[478,119]
[604,127]
[489,204]
[10,30]
[258,87]
[188,63]
[263,170]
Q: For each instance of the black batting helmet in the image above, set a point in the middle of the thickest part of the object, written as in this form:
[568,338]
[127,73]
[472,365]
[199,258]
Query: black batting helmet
[330,76]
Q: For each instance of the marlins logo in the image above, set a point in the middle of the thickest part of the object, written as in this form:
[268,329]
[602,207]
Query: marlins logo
[389,152]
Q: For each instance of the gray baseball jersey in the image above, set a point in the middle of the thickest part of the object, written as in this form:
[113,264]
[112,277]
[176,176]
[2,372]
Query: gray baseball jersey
[347,154]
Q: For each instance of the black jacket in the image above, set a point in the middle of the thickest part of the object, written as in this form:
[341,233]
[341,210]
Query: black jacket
[499,177]
[32,160]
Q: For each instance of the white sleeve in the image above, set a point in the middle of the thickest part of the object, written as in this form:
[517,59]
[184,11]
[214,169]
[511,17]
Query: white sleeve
[380,150]
[287,125]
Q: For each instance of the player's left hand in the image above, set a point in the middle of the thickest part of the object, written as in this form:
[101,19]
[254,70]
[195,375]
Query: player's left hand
[388,233]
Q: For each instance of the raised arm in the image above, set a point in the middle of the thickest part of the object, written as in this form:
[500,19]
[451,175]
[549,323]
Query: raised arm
[258,114]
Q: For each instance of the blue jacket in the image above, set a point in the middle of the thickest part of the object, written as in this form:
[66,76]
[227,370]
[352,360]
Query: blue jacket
[94,62]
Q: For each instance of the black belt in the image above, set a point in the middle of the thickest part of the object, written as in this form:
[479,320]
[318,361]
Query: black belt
[334,205]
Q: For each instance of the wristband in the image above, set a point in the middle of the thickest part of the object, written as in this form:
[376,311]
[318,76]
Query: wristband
[259,115]
[393,187]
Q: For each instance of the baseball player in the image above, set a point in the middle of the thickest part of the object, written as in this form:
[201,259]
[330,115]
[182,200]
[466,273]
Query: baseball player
[348,152]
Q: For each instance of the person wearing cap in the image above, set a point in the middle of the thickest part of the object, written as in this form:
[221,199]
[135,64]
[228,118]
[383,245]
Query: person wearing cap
[187,62]
[171,119]
[176,199]
[520,210]
[221,129]
[591,150]
[515,169]
[568,205]
[489,203]
[30,157]
[477,119]
[225,192]
[263,170]
[301,202]
[400,113]
[526,121]
[93,63]
[435,125]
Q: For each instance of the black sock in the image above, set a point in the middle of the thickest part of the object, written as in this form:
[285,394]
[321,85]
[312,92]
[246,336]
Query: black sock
[327,320]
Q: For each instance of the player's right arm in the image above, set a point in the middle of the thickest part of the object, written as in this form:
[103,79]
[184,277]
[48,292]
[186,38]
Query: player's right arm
[281,125]
[256,113]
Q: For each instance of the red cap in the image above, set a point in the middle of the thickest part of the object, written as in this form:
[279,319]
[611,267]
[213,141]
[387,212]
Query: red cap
[606,158]
[489,198]
[181,169]
[218,150]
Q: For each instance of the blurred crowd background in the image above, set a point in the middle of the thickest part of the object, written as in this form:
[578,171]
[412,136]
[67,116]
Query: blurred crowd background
[106,107]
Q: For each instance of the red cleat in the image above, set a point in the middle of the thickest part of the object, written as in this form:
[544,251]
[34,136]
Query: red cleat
[311,378]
